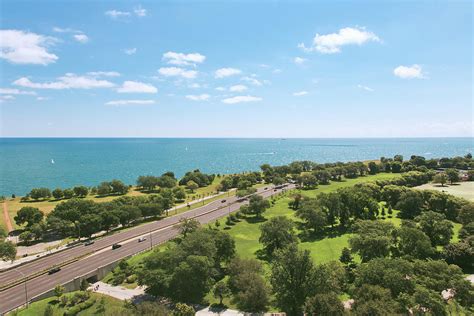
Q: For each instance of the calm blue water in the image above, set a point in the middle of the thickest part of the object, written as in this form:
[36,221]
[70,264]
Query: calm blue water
[26,163]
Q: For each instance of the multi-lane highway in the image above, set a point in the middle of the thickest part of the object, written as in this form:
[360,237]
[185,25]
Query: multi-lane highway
[81,260]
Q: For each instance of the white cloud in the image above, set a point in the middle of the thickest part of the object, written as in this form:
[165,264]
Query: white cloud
[220,89]
[238,88]
[409,72]
[81,38]
[365,88]
[332,43]
[16,91]
[241,98]
[4,98]
[104,74]
[65,30]
[200,97]
[299,60]
[226,72]
[277,71]
[139,11]
[68,81]
[252,80]
[181,59]
[130,102]
[130,51]
[19,47]
[115,14]
[177,72]
[136,87]
[194,86]
[300,93]
[41,98]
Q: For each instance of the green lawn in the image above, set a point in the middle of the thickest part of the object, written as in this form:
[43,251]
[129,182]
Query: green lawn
[246,234]
[38,308]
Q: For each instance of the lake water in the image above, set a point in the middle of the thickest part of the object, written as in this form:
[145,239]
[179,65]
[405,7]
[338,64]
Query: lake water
[26,163]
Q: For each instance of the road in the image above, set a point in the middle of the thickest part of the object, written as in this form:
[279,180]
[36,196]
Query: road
[100,253]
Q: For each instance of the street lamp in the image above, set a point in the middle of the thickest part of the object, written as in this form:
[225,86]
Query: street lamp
[26,289]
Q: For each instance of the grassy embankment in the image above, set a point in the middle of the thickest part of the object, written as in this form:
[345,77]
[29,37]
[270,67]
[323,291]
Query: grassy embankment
[37,308]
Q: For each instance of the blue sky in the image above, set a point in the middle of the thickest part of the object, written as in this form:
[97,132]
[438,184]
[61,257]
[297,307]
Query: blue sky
[236,69]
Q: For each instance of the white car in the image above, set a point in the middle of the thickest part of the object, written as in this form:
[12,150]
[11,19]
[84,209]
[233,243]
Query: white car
[141,239]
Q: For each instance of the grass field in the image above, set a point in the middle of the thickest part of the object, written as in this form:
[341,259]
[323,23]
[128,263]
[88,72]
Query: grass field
[246,234]
[38,308]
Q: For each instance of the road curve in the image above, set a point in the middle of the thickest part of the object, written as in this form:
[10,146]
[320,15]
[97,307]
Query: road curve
[162,231]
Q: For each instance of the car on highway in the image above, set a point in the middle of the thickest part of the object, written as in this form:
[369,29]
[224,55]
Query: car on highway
[141,239]
[266,188]
[116,246]
[54,270]
[223,201]
[88,243]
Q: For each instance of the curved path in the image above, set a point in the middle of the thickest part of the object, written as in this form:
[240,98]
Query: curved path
[6,217]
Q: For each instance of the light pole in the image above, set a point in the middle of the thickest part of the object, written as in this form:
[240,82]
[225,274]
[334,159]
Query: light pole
[26,289]
[151,240]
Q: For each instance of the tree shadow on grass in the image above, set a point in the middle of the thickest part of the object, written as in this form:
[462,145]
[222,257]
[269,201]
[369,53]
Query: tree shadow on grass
[255,220]
[329,232]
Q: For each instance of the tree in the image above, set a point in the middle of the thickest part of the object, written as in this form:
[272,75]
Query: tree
[187,226]
[346,256]
[68,193]
[192,279]
[466,214]
[257,205]
[371,239]
[48,311]
[182,309]
[29,215]
[453,175]
[7,251]
[292,279]
[278,181]
[40,193]
[324,304]
[90,224]
[26,236]
[220,291]
[460,253]
[148,183]
[440,178]
[413,242]
[118,187]
[80,191]
[179,193]
[59,290]
[104,188]
[309,181]
[250,292]
[410,204]
[58,193]
[191,185]
[436,227]
[84,285]
[277,233]
[375,301]
[313,215]
[373,168]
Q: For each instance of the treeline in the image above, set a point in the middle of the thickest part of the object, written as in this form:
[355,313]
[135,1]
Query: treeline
[83,218]
[116,187]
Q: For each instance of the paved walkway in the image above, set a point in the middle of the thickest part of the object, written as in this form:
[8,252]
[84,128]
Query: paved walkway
[118,292]
[221,312]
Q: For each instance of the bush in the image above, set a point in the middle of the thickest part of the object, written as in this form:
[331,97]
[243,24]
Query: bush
[79,307]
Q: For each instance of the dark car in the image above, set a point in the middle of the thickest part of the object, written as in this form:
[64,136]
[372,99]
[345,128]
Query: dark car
[115,246]
[54,270]
[223,201]
[88,243]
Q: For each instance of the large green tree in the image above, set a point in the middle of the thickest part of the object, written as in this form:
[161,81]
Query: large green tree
[277,233]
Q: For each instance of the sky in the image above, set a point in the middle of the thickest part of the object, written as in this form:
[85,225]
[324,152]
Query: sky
[236,69]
